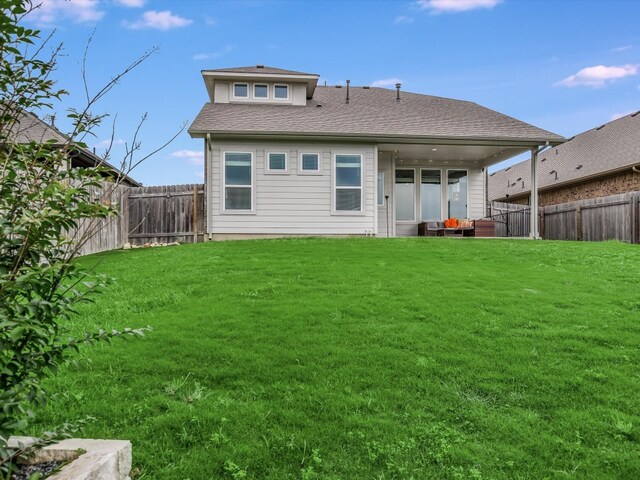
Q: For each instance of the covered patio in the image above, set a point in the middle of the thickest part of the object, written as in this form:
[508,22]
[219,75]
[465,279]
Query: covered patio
[441,178]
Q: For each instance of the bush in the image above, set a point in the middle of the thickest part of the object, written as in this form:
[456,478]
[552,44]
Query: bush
[41,201]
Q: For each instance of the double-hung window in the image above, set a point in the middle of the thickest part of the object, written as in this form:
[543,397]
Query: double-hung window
[348,183]
[238,181]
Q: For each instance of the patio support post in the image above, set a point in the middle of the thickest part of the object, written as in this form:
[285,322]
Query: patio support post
[533,231]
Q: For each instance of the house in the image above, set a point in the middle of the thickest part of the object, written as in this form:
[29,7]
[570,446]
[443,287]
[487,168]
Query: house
[599,162]
[31,128]
[285,156]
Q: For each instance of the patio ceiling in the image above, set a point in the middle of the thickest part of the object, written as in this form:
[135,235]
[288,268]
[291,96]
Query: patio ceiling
[478,155]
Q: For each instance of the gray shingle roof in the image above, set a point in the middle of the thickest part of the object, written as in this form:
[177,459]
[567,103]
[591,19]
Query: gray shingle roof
[371,112]
[608,148]
[258,69]
[31,128]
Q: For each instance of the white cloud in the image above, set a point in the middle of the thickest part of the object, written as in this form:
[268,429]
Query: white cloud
[131,3]
[386,82]
[622,49]
[194,157]
[403,19]
[455,6]
[107,142]
[213,55]
[164,20]
[49,12]
[616,116]
[210,21]
[598,75]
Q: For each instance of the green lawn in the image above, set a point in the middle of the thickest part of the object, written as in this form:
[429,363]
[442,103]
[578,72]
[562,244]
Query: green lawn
[367,359]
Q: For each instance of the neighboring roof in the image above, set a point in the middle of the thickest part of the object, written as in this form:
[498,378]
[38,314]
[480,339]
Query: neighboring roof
[30,128]
[258,69]
[371,113]
[611,147]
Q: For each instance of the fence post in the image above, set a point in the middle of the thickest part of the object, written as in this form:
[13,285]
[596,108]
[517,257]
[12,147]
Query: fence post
[634,198]
[578,222]
[195,214]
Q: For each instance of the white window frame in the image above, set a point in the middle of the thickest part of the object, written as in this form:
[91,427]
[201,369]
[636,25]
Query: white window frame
[302,171]
[415,194]
[224,184]
[380,194]
[267,165]
[278,99]
[258,84]
[233,90]
[446,204]
[335,188]
[442,187]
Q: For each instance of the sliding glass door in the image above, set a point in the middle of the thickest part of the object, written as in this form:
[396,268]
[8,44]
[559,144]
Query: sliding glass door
[405,195]
[457,194]
[430,195]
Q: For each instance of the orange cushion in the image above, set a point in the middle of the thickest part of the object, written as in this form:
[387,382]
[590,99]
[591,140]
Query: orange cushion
[451,223]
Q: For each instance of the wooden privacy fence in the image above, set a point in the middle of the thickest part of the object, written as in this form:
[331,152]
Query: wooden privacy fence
[616,217]
[166,214]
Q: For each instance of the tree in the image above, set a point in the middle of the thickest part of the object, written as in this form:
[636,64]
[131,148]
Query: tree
[41,202]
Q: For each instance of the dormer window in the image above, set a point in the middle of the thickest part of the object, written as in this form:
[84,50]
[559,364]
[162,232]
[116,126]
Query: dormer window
[261,90]
[281,92]
[240,90]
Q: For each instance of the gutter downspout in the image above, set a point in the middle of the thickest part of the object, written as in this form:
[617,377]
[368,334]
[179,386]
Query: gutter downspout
[207,156]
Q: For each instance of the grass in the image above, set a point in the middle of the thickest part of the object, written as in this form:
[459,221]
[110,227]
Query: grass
[366,359]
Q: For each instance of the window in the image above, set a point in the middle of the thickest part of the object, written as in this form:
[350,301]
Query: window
[238,181]
[348,183]
[381,189]
[240,90]
[260,91]
[281,91]
[405,195]
[430,195]
[277,163]
[457,193]
[310,163]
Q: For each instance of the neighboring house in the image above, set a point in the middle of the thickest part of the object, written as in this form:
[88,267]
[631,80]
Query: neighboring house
[30,128]
[599,162]
[285,156]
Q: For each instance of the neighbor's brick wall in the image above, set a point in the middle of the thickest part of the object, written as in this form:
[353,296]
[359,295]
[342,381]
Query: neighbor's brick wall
[627,181]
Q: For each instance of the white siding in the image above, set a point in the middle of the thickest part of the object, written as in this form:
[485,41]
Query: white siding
[291,203]
[221,94]
[299,94]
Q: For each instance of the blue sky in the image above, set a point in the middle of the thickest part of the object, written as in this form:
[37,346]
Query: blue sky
[565,66]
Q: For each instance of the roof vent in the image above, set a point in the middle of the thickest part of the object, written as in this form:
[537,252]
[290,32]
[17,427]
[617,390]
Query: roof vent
[338,86]
[519,178]
[318,105]
[259,66]
[543,159]
[347,101]
[366,87]
[634,114]
[579,167]
[522,184]
[507,169]
[554,172]
[492,174]
[398,85]
[601,126]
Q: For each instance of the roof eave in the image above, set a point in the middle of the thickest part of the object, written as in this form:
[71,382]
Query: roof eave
[384,138]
